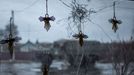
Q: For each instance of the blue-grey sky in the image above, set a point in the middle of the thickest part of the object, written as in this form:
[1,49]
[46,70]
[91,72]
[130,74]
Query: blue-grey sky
[28,11]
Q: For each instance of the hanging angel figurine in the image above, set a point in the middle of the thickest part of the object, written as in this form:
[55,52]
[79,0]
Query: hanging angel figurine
[114,21]
[80,36]
[46,20]
[10,41]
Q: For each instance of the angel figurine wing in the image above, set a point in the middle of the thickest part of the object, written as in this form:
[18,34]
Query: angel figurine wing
[17,39]
[84,36]
[119,21]
[111,20]
[46,20]
[52,18]
[41,18]
[76,36]
[4,41]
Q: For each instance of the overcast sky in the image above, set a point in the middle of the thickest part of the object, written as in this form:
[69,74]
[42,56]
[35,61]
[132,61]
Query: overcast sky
[27,13]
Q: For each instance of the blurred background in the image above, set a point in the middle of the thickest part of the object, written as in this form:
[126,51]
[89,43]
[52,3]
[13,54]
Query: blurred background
[104,52]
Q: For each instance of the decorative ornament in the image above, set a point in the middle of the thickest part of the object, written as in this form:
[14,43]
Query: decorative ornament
[114,21]
[80,36]
[46,19]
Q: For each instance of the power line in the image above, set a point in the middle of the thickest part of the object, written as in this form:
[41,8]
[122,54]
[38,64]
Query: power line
[22,10]
[33,3]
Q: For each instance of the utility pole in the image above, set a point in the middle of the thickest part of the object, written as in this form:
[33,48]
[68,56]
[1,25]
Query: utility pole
[11,34]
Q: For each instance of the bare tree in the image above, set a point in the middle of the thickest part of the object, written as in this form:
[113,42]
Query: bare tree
[14,30]
[122,58]
[132,37]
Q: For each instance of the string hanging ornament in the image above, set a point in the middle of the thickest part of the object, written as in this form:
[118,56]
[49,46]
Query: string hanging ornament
[47,18]
[114,21]
[11,40]
[81,36]
[80,14]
